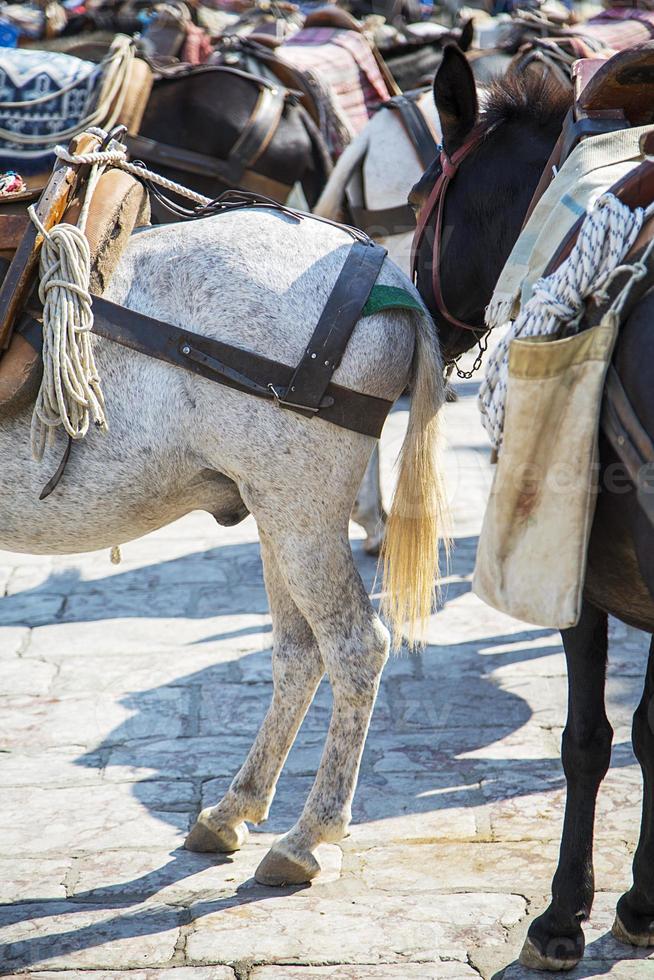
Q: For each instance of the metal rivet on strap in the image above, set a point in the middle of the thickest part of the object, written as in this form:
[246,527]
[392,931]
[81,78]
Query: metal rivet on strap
[313,356]
[186,349]
[326,363]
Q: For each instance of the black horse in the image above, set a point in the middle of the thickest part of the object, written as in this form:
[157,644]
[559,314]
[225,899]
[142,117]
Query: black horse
[205,110]
[484,208]
[194,124]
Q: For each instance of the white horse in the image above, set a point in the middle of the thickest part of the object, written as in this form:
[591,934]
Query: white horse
[390,166]
[177,442]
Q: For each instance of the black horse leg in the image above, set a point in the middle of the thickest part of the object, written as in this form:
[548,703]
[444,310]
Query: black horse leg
[556,940]
[635,915]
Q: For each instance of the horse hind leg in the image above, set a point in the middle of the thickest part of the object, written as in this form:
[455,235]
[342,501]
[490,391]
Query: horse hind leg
[368,511]
[326,587]
[297,671]
[634,922]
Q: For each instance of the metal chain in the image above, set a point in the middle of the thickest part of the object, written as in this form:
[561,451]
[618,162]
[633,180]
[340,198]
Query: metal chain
[482,343]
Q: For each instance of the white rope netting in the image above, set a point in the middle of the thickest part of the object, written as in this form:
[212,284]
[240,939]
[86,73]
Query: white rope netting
[608,232]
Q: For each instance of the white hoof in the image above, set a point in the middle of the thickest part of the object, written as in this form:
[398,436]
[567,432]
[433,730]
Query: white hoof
[205,835]
[280,867]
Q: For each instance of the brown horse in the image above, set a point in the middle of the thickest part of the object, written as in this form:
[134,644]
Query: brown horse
[483,212]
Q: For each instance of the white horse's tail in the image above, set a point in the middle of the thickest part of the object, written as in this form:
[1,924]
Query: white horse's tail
[331,201]
[418,517]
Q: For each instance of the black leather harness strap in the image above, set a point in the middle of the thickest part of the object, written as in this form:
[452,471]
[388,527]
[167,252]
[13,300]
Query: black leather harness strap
[390,221]
[307,389]
[236,169]
[416,126]
[620,424]
[337,321]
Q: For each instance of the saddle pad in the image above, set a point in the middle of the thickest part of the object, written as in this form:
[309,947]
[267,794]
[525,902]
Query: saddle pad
[345,63]
[593,166]
[62,88]
[619,29]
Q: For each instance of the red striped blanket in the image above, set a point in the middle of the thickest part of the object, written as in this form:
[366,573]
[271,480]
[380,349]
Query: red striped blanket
[618,29]
[346,71]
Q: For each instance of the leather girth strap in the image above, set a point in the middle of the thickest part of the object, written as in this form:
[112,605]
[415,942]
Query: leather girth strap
[391,221]
[337,321]
[307,389]
[620,424]
[236,170]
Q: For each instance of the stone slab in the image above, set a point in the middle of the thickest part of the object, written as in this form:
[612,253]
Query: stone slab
[181,877]
[23,676]
[63,935]
[417,868]
[94,818]
[66,767]
[107,719]
[349,924]
[13,639]
[386,971]
[170,973]
[35,879]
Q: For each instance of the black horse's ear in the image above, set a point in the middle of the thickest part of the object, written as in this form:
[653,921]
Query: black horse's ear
[467,35]
[455,96]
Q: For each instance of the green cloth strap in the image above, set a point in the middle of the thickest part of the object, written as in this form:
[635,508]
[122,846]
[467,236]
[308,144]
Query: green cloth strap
[390,298]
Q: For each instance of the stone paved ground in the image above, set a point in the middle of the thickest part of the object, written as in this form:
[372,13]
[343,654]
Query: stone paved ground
[131,697]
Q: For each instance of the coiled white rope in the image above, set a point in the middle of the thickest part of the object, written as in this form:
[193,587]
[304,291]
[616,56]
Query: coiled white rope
[70,393]
[607,233]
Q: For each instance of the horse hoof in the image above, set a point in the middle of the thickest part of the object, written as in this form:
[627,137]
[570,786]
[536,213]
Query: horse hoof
[281,868]
[203,837]
[532,958]
[624,935]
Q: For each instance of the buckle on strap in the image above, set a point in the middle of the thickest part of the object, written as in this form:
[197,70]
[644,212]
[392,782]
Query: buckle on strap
[280,399]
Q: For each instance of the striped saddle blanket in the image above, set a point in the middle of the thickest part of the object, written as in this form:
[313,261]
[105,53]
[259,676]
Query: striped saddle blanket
[617,29]
[346,79]
[42,94]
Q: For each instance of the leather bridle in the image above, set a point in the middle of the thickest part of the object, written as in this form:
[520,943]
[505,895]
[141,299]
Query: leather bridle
[435,204]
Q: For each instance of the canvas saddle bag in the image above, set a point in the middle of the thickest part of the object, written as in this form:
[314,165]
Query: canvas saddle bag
[531,558]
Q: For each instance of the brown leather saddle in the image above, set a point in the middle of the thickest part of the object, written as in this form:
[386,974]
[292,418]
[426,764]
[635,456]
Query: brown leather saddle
[119,204]
[608,96]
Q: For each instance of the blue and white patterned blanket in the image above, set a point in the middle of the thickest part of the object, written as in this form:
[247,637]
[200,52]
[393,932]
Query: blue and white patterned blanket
[26,75]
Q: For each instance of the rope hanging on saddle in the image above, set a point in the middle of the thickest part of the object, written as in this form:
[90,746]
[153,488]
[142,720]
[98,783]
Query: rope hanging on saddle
[557,303]
[70,393]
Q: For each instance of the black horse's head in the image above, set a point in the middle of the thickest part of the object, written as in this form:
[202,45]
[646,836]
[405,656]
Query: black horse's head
[498,156]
